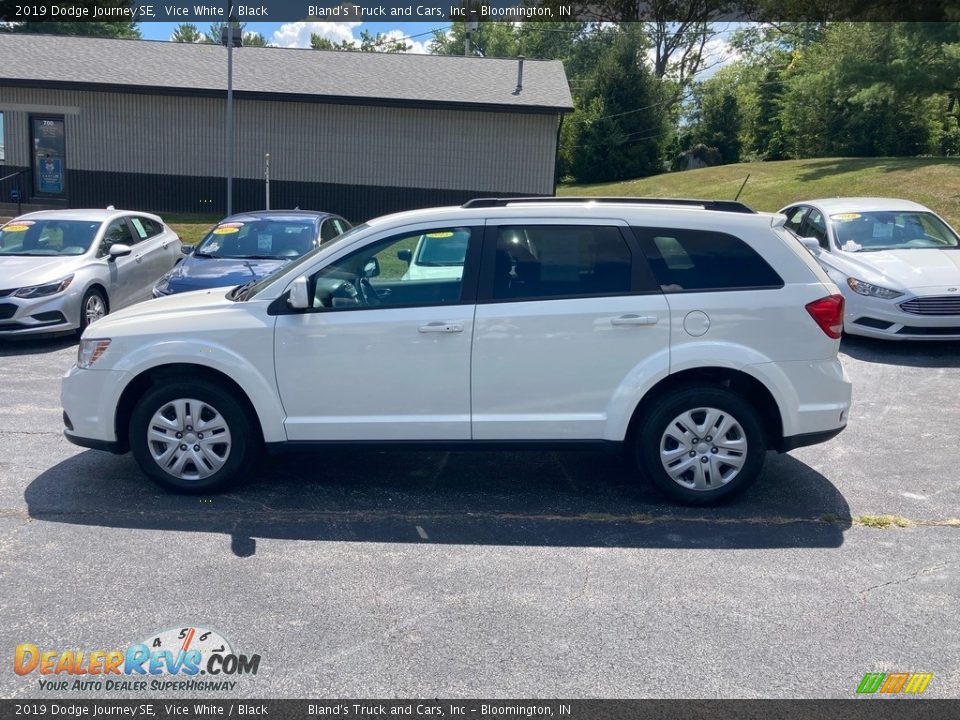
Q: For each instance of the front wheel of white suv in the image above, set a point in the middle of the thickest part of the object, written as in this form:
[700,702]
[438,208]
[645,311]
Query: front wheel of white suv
[192,436]
[701,445]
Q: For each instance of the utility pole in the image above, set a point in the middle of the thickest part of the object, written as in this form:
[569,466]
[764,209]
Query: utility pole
[471,26]
[227,38]
[266,174]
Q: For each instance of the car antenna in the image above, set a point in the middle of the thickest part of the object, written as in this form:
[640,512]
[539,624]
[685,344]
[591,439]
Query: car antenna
[741,187]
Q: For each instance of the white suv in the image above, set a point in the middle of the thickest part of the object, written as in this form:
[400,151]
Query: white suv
[694,334]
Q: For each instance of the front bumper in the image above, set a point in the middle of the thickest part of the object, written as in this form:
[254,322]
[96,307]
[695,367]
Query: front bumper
[90,399]
[31,316]
[885,319]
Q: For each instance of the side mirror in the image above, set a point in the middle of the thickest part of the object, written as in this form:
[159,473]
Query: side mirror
[811,244]
[299,294]
[187,249]
[118,250]
[372,268]
[405,255]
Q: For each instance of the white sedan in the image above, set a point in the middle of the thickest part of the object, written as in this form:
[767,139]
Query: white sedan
[896,262]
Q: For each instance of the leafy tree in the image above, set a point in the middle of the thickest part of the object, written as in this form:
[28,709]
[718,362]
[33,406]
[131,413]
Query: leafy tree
[187,33]
[368,43]
[125,30]
[619,129]
[254,39]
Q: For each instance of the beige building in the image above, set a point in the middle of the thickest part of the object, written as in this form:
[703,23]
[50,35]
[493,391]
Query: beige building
[141,124]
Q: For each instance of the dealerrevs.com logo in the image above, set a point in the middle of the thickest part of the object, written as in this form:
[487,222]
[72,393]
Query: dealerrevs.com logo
[185,659]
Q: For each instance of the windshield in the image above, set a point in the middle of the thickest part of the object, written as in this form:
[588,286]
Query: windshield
[883,230]
[47,237]
[260,239]
[443,249]
[268,280]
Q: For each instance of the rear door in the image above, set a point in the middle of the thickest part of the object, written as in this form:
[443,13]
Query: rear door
[155,246]
[566,310]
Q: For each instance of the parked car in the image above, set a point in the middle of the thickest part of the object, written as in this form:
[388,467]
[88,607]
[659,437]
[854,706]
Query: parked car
[64,269]
[248,246]
[436,255]
[896,262]
[695,335]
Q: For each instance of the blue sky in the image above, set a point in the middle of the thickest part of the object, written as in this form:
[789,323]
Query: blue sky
[299,33]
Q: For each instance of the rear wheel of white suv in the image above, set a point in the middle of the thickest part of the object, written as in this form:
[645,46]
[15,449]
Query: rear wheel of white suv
[701,445]
[192,436]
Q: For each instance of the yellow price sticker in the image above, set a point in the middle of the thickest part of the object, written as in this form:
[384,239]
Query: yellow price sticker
[16,227]
[844,217]
[444,234]
[226,230]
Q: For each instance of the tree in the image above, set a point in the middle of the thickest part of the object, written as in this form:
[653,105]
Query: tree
[368,43]
[491,39]
[187,33]
[619,129]
[254,39]
[717,115]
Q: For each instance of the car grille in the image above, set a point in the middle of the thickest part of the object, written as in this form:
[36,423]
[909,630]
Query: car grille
[936,305]
[7,310]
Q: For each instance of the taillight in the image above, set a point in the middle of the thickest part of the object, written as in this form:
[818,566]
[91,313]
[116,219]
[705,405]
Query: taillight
[828,313]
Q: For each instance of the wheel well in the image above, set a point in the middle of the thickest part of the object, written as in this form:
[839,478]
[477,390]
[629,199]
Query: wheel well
[103,292]
[746,386]
[165,373]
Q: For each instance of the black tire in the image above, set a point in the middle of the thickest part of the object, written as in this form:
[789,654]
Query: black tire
[92,292]
[244,446]
[652,431]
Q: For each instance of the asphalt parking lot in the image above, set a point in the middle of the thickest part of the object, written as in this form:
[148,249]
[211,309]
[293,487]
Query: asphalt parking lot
[360,574]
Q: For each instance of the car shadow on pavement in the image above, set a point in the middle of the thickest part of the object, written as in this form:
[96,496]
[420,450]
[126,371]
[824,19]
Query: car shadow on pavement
[573,499]
[910,353]
[12,346]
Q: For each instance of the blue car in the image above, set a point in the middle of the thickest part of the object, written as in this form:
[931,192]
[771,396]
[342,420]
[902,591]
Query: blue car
[248,246]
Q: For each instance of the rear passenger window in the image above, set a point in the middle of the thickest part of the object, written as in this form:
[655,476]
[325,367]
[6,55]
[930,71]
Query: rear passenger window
[701,260]
[560,261]
[145,227]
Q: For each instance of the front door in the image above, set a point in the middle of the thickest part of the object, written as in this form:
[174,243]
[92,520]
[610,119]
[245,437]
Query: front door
[49,157]
[566,311]
[381,356]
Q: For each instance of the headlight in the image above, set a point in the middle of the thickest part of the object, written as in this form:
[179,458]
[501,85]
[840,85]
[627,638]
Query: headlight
[865,288]
[90,351]
[35,291]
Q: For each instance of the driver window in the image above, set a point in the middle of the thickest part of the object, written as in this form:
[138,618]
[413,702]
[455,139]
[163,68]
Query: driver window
[816,227]
[117,232]
[412,269]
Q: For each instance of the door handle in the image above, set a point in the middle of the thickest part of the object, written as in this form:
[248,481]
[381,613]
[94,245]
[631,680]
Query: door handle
[440,327]
[166,244]
[634,319]
[138,258]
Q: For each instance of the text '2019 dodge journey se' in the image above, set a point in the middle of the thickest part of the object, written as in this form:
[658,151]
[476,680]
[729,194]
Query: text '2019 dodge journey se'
[697,335]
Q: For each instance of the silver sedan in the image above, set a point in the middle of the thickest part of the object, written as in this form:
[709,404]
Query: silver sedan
[63,269]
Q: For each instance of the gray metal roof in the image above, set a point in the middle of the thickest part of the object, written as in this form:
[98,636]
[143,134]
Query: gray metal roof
[320,74]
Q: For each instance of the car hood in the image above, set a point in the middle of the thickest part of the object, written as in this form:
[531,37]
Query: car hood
[908,269]
[164,314]
[197,273]
[18,271]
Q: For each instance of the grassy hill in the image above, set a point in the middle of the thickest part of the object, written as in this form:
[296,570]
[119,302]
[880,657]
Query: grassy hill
[934,182]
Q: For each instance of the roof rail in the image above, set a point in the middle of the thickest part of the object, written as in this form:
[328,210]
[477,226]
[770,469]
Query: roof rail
[715,205]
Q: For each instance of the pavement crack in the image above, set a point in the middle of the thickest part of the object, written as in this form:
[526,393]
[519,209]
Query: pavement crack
[908,578]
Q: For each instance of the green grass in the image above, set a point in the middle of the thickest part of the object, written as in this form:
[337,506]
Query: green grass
[191,228]
[934,182]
